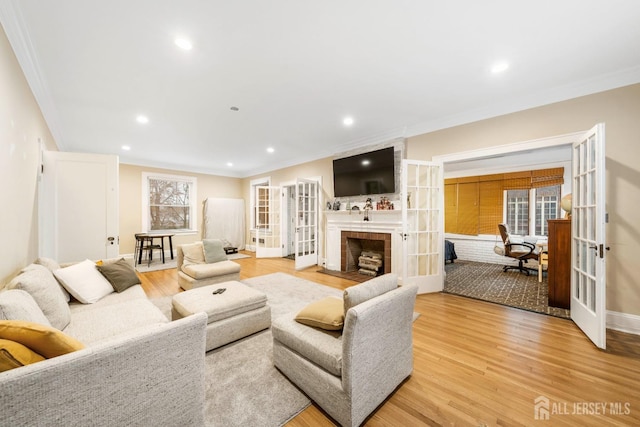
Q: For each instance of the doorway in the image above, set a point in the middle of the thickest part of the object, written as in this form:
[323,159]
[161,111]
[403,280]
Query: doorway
[476,253]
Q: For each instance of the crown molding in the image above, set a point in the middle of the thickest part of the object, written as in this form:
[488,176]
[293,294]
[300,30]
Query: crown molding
[598,84]
[18,36]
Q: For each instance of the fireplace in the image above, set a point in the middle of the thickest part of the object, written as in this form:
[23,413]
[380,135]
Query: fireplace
[354,243]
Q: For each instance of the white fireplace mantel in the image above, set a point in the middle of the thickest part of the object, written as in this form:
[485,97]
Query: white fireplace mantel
[379,222]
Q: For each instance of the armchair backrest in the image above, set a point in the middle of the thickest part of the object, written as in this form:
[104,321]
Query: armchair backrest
[377,343]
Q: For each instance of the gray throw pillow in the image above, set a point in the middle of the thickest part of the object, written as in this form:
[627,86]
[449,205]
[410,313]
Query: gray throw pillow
[120,274]
[213,251]
[40,283]
[16,304]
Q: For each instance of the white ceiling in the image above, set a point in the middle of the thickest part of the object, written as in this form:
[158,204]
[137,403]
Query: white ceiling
[296,68]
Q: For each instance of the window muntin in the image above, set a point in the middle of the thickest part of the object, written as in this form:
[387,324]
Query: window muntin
[169,203]
[522,218]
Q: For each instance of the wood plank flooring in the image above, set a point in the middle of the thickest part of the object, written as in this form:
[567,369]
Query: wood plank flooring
[483,364]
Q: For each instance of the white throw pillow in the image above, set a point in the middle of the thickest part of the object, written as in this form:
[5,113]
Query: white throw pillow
[84,282]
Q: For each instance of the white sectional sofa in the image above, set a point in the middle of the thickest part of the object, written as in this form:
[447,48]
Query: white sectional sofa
[132,371]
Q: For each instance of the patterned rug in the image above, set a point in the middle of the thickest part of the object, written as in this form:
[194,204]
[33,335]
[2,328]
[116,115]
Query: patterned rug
[488,282]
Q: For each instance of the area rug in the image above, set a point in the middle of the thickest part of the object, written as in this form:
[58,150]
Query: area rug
[156,265]
[243,386]
[237,256]
[487,282]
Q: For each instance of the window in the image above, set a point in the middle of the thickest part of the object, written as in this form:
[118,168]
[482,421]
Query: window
[518,211]
[547,207]
[169,203]
[259,204]
[525,200]
[519,215]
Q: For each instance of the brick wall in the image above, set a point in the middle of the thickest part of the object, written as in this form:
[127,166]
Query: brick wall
[480,249]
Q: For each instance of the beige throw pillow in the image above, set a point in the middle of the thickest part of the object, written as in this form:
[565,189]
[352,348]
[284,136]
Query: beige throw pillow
[325,314]
[193,253]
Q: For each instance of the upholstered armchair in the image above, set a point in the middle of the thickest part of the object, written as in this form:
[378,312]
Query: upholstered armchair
[349,373]
[519,248]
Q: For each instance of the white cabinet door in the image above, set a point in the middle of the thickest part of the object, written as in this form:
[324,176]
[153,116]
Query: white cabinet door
[78,208]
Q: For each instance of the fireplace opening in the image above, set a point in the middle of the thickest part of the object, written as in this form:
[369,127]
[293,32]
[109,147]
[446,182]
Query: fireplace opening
[365,256]
[366,253]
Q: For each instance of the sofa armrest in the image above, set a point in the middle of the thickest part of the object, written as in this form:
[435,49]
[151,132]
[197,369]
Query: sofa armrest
[151,376]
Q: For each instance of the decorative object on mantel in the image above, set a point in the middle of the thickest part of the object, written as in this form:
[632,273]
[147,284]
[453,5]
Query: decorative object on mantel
[367,207]
[336,205]
[384,204]
[328,206]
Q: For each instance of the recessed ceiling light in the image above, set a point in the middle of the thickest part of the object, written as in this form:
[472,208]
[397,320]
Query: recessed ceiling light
[348,121]
[126,148]
[235,109]
[499,67]
[183,43]
[229,164]
[142,119]
[271,150]
[366,162]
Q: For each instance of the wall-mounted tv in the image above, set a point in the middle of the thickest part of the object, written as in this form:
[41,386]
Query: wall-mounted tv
[365,174]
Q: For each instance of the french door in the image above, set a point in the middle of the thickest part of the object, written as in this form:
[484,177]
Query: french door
[268,238]
[423,225]
[306,235]
[588,246]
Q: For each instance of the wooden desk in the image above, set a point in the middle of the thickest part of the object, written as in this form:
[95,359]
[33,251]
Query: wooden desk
[559,268]
[153,236]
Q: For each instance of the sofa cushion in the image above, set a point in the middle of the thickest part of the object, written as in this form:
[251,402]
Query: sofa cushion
[322,347]
[16,304]
[213,251]
[45,290]
[52,265]
[204,271]
[44,340]
[358,294]
[14,355]
[84,282]
[193,253]
[102,322]
[328,313]
[120,274]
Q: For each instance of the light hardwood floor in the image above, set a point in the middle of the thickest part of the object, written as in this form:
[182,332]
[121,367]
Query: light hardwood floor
[482,364]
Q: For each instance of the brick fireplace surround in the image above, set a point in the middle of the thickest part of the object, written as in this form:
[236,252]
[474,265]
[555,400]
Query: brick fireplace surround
[384,237]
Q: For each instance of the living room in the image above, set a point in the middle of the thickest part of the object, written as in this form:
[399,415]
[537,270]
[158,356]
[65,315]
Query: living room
[24,129]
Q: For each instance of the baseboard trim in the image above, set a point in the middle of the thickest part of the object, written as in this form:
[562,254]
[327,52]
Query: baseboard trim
[623,322]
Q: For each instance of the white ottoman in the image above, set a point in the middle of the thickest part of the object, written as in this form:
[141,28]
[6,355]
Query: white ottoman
[236,313]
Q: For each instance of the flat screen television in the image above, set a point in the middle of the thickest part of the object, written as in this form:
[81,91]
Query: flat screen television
[365,174]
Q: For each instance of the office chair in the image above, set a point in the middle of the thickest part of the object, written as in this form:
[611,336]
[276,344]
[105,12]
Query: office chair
[515,247]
